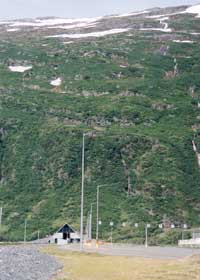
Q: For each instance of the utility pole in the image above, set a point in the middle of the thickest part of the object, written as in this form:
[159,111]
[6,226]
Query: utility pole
[25,227]
[82,191]
[38,235]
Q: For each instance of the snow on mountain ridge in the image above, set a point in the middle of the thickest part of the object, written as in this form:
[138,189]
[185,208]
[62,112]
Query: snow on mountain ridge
[42,22]
[194,10]
[92,34]
[130,14]
[167,30]
[13,29]
[51,22]
[73,26]
[81,23]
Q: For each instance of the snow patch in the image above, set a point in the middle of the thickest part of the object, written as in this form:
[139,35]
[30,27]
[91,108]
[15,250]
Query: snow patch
[196,152]
[163,18]
[157,29]
[56,21]
[74,26]
[13,30]
[56,82]
[156,17]
[5,22]
[191,10]
[68,43]
[163,22]
[194,146]
[123,66]
[130,14]
[194,10]
[92,34]
[183,41]
[19,69]
[198,159]
[165,15]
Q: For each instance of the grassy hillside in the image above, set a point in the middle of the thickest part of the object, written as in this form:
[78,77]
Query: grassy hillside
[145,120]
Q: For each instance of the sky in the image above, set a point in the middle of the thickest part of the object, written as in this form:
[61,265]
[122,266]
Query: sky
[79,8]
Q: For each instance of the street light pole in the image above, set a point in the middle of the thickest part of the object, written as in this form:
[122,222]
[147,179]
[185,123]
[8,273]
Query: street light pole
[97,223]
[82,191]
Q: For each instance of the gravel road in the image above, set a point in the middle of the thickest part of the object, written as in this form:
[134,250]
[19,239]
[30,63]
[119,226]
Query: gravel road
[26,263]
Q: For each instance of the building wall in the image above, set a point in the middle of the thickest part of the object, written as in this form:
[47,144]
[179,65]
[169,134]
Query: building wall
[61,241]
[75,235]
[58,235]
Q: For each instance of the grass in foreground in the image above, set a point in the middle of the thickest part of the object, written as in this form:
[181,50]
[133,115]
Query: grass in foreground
[83,266]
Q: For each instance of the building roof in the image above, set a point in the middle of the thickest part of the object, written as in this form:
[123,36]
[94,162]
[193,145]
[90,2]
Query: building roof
[66,228]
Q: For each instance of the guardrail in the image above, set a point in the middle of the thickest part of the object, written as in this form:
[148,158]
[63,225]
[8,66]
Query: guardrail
[189,242]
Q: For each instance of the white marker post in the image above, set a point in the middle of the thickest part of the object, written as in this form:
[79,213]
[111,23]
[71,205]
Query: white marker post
[111,233]
[184,229]
[25,227]
[146,234]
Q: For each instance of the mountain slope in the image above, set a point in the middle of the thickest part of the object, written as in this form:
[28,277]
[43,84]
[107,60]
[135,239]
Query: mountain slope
[133,80]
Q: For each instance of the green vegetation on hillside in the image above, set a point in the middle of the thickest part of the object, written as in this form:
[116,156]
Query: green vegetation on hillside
[145,121]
